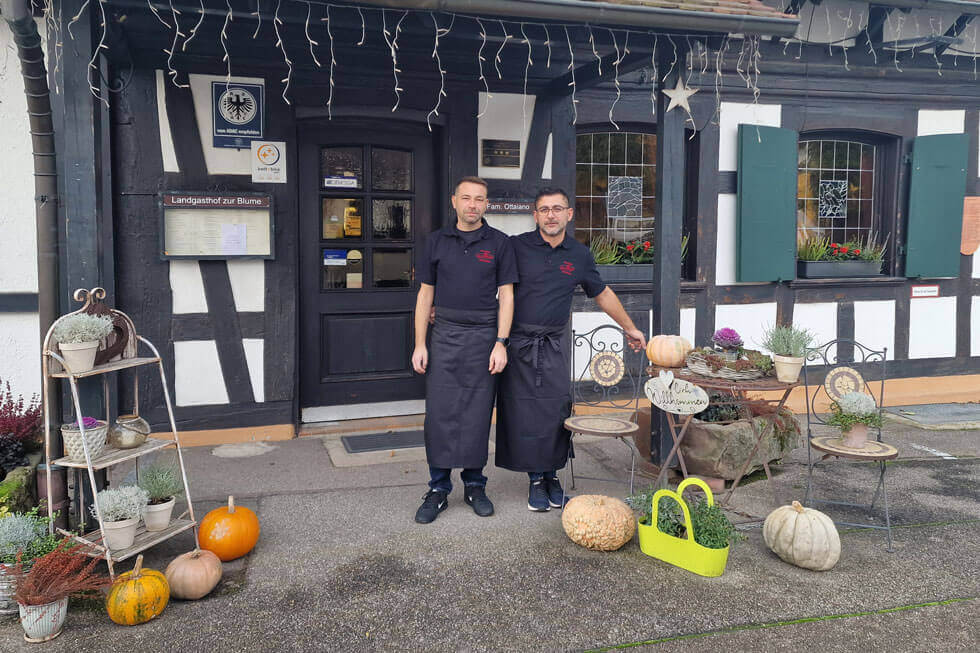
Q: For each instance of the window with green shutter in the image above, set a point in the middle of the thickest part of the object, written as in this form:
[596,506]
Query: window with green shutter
[766,208]
[937,184]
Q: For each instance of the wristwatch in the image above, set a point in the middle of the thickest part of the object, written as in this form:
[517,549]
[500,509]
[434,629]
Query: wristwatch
[504,341]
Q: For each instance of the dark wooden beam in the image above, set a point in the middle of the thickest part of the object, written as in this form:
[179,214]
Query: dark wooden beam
[587,75]
[954,31]
[795,5]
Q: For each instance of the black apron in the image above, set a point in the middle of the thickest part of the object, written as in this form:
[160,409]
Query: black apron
[459,389]
[534,399]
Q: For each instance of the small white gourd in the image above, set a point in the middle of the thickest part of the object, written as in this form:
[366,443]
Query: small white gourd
[802,536]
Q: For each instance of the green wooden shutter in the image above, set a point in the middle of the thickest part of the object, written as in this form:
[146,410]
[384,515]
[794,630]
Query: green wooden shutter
[766,218]
[936,189]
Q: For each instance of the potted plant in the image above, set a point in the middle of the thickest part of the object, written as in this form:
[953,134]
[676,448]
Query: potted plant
[20,419]
[121,511]
[78,336]
[627,261]
[818,257]
[787,345]
[24,535]
[695,538]
[853,413]
[43,590]
[163,484]
[728,343]
[94,436]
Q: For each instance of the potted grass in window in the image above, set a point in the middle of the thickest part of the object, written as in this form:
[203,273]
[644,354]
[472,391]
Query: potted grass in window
[787,345]
[819,257]
[163,484]
[78,336]
[630,261]
[121,511]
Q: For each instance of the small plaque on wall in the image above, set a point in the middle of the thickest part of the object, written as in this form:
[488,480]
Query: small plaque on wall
[509,207]
[216,225]
[500,154]
[971,226]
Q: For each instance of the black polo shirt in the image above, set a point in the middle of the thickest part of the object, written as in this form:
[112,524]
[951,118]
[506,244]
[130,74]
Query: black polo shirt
[549,276]
[467,267]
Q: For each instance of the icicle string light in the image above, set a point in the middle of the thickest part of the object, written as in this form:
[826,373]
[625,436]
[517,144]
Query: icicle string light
[480,60]
[547,42]
[287,80]
[496,59]
[527,68]
[595,53]
[619,91]
[74,19]
[656,76]
[258,14]
[171,71]
[571,67]
[672,63]
[333,65]
[306,31]
[200,19]
[223,38]
[149,3]
[95,55]
[363,27]
[392,40]
[442,73]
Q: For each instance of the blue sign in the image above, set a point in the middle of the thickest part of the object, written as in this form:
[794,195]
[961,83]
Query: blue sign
[237,113]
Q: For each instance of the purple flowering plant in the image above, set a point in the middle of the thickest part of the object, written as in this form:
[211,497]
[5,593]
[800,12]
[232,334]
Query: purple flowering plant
[87,422]
[727,338]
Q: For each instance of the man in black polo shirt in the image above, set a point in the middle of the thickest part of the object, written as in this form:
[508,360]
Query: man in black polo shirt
[534,397]
[467,271]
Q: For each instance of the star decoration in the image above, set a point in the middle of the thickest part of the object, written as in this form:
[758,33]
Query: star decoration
[679,96]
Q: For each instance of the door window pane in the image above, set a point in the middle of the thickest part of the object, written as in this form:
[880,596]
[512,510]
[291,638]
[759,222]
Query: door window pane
[391,169]
[392,268]
[392,219]
[341,218]
[341,167]
[342,268]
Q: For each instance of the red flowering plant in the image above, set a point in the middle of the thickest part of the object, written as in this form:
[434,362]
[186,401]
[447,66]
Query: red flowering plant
[19,422]
[638,251]
[814,248]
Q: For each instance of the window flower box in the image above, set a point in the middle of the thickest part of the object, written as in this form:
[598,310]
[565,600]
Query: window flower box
[627,273]
[837,269]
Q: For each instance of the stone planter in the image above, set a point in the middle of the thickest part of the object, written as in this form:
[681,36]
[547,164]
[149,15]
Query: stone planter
[856,438]
[43,622]
[787,367]
[119,535]
[837,269]
[720,450]
[157,516]
[79,356]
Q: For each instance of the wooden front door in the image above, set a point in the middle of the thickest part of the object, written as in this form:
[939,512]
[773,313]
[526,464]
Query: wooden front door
[366,202]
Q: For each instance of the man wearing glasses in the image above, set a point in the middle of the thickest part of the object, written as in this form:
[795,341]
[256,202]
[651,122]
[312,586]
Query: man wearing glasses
[534,395]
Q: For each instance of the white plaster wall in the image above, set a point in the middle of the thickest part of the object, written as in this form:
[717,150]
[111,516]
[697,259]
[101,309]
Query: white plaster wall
[511,224]
[975,327]
[734,114]
[254,357]
[583,322]
[248,284]
[546,173]
[197,374]
[725,247]
[219,160]
[167,148]
[187,287]
[821,319]
[932,327]
[874,325]
[750,320]
[20,344]
[18,228]
[932,122]
[688,323]
[502,121]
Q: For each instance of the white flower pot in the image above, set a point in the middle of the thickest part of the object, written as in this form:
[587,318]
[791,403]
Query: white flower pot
[43,622]
[787,367]
[95,438]
[856,438]
[118,535]
[79,356]
[157,516]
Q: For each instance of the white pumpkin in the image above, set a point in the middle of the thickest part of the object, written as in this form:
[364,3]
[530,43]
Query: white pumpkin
[194,574]
[802,536]
[598,522]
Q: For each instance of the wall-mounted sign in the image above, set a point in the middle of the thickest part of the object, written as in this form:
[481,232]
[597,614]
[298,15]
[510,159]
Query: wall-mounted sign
[510,207]
[675,395]
[925,291]
[340,181]
[269,162]
[216,225]
[237,113]
[971,226]
[500,154]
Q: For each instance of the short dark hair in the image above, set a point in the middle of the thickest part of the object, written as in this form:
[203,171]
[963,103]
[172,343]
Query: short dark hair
[550,191]
[470,180]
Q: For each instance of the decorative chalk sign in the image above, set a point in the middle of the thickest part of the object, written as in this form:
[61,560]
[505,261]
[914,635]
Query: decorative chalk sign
[675,395]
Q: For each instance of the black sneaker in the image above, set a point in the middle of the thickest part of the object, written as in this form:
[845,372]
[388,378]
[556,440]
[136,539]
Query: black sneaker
[537,497]
[556,495]
[433,503]
[476,497]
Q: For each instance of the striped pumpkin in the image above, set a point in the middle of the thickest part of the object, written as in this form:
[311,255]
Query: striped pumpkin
[137,596]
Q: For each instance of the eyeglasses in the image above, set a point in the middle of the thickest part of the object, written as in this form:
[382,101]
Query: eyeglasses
[545,210]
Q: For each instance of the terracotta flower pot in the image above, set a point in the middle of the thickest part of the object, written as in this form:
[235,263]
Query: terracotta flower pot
[43,622]
[79,356]
[157,516]
[856,438]
[787,367]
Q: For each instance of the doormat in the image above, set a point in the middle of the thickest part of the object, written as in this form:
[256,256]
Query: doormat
[383,441]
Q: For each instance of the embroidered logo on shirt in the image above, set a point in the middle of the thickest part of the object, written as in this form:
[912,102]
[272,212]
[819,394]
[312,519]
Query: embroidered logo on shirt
[566,267]
[484,256]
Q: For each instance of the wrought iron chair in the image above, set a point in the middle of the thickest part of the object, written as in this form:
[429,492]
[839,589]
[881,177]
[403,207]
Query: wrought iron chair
[607,378]
[848,365]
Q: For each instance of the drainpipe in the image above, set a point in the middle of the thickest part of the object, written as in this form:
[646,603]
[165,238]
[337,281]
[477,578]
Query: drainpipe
[19,18]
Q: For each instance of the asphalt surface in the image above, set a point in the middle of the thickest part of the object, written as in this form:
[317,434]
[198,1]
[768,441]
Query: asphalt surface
[341,566]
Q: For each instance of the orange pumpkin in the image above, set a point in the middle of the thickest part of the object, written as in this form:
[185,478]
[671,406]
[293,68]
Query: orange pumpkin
[668,351]
[137,596]
[230,532]
[194,574]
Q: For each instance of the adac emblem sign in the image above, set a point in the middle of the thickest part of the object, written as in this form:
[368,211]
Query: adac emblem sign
[237,113]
